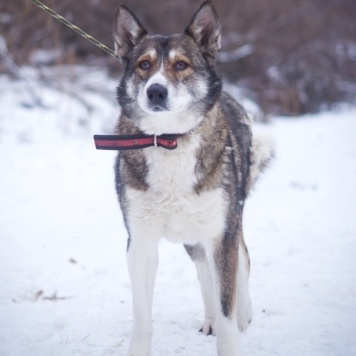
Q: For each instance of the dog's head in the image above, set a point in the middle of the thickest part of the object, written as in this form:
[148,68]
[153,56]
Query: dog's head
[169,82]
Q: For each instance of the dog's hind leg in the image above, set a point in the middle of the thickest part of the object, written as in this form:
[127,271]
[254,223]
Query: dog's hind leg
[223,256]
[198,255]
[244,307]
[142,259]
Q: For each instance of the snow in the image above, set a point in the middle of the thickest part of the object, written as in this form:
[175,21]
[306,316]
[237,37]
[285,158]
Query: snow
[64,283]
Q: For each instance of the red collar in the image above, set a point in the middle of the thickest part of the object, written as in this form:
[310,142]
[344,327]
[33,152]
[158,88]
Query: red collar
[132,142]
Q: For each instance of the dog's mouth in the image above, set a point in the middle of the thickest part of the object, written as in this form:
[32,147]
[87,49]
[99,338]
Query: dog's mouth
[159,108]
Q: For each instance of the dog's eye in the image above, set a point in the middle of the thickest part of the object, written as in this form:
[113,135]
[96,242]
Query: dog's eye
[181,65]
[145,65]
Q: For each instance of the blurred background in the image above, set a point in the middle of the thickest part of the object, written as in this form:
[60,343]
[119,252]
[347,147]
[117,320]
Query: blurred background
[65,289]
[291,57]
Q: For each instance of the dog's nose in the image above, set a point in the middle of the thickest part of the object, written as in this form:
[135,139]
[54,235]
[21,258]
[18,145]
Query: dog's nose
[157,94]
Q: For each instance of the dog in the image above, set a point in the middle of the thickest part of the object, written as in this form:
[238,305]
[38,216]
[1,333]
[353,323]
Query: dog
[190,183]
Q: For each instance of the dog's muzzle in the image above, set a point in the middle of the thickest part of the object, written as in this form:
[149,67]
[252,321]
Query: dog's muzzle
[157,95]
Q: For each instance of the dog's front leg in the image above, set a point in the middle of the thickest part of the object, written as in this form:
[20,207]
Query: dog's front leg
[198,255]
[224,262]
[142,258]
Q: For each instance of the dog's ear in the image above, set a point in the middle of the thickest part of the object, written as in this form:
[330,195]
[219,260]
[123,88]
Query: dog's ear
[205,29]
[127,32]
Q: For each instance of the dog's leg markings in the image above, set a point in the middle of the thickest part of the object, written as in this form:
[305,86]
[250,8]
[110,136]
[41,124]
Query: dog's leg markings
[142,258]
[198,255]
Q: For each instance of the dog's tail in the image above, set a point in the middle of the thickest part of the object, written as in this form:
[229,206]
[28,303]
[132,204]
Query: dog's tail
[262,152]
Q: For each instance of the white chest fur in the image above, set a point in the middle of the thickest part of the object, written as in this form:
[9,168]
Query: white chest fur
[170,207]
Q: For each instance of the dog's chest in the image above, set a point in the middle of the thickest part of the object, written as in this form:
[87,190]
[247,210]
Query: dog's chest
[170,205]
[172,172]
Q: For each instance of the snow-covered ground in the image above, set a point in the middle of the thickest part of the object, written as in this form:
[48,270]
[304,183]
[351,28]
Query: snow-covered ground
[64,286]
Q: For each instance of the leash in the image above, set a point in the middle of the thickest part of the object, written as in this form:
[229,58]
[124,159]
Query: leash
[74,28]
[134,142]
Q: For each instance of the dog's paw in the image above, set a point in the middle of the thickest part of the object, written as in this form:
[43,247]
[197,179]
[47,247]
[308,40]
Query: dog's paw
[139,347]
[244,315]
[208,327]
